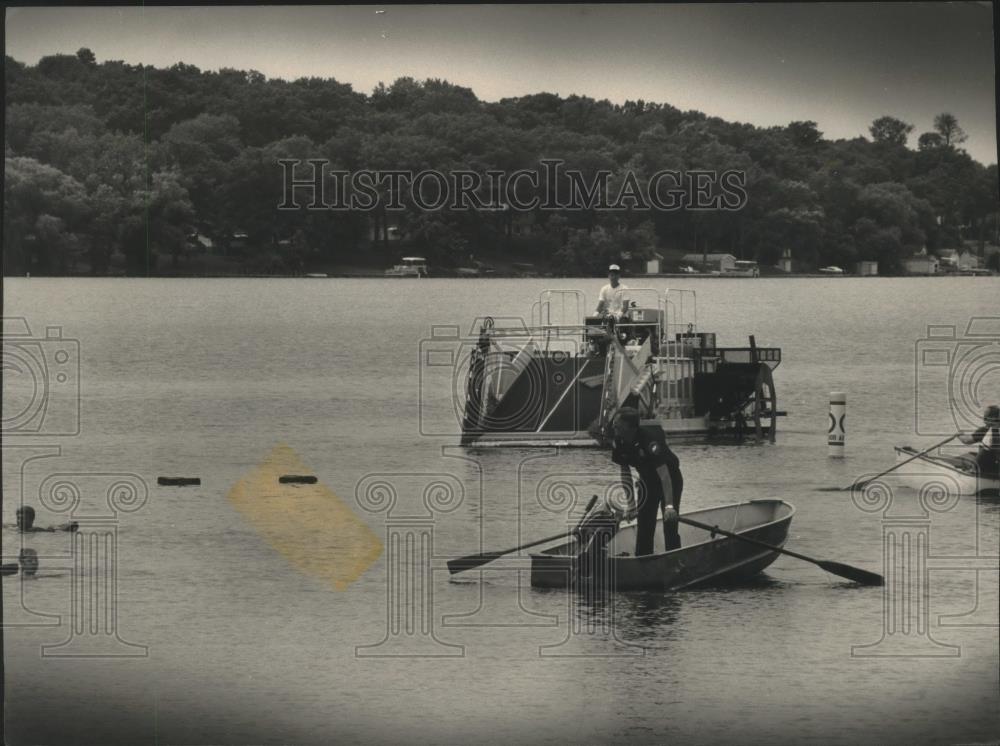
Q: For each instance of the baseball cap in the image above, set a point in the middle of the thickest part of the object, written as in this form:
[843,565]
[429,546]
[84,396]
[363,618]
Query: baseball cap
[614,268]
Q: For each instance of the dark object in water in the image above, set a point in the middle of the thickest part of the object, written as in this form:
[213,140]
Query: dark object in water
[177,481]
[29,561]
[296,479]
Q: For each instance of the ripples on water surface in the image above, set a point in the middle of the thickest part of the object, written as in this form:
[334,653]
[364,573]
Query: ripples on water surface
[206,377]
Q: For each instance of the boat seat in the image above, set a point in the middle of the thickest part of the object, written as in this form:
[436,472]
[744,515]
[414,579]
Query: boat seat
[960,462]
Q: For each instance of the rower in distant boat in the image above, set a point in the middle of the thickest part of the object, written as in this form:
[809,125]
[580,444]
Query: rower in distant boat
[987,455]
[26,522]
[645,449]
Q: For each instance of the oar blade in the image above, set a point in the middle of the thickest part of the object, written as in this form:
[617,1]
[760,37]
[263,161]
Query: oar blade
[850,488]
[472,561]
[852,573]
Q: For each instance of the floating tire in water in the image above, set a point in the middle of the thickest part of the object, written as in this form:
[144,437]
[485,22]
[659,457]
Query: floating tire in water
[297,479]
[177,481]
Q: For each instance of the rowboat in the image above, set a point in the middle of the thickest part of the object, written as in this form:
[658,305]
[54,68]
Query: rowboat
[955,474]
[702,558]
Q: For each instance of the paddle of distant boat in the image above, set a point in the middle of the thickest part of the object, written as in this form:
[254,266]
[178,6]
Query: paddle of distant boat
[955,475]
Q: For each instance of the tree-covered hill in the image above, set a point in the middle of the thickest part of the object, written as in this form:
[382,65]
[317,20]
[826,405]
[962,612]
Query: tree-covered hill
[112,166]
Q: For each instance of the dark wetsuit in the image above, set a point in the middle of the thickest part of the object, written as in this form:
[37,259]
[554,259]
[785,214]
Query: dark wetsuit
[647,452]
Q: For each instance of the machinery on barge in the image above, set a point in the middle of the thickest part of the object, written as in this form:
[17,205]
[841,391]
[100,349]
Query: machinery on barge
[557,381]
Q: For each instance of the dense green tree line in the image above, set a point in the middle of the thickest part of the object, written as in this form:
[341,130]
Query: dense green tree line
[111,163]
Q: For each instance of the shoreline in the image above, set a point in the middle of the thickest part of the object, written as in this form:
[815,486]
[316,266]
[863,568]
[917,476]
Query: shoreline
[492,276]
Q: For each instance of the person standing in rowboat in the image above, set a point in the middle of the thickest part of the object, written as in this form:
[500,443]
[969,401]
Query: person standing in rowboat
[987,455]
[644,448]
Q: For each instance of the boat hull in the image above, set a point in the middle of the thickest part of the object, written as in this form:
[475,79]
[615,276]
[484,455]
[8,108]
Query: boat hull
[556,399]
[700,560]
[930,472]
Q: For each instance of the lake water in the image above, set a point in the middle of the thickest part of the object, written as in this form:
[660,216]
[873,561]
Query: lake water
[242,644]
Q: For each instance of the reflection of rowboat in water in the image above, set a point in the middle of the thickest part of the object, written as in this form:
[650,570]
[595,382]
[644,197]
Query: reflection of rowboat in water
[957,475]
[702,558]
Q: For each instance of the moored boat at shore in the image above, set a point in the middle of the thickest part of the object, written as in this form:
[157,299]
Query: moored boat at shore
[956,475]
[742,268]
[702,558]
[410,266]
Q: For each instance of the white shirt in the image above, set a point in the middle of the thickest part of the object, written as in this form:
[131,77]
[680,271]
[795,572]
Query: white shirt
[991,438]
[613,298]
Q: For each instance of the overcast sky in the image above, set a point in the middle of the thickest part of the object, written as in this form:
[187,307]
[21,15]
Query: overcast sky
[840,65]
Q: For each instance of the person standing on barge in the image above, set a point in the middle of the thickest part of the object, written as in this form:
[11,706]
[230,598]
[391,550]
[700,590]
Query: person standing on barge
[611,301]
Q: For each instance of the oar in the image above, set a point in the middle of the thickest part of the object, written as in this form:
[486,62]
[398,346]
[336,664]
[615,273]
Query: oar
[472,561]
[837,568]
[858,485]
